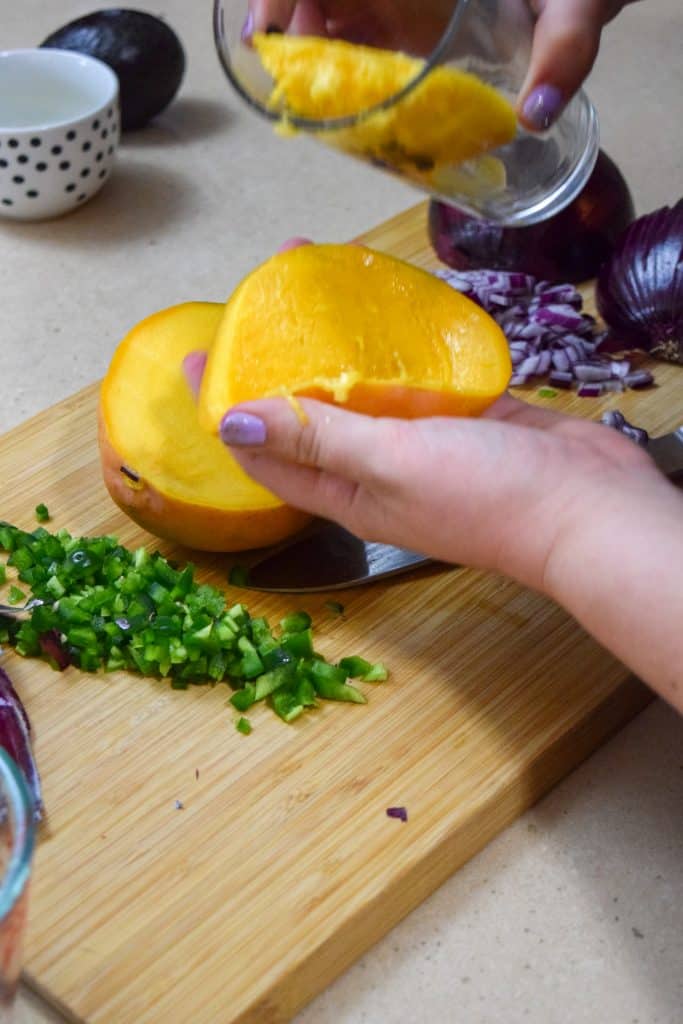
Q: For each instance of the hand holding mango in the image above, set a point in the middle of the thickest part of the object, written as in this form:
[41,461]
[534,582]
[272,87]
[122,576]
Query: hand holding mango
[521,490]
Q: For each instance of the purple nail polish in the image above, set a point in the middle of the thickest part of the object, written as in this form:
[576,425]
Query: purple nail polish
[242,429]
[248,28]
[542,106]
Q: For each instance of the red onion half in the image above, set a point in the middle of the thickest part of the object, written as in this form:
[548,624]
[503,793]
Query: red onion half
[640,289]
[571,246]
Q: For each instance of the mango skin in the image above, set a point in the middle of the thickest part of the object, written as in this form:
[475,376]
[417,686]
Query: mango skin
[194,526]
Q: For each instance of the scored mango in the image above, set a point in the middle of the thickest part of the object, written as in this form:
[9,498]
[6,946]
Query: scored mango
[449,117]
[359,328]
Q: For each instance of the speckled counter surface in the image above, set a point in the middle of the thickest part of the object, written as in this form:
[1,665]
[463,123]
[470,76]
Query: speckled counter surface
[574,914]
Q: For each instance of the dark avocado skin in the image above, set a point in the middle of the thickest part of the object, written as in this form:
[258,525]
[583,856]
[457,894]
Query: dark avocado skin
[145,53]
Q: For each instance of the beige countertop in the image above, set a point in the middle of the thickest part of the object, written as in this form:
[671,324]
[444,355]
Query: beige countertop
[575,913]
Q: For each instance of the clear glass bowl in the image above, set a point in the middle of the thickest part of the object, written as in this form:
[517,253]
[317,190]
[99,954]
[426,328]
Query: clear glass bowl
[528,179]
[17,836]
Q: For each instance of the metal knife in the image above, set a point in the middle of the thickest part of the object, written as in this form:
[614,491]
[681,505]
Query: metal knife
[331,558]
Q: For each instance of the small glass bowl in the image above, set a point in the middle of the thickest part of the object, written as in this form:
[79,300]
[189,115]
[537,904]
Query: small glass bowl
[529,179]
[17,838]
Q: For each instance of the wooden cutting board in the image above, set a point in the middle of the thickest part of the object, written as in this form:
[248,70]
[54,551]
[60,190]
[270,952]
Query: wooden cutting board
[282,867]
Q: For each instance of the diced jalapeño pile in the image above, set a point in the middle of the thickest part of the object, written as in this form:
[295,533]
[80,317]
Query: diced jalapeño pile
[107,607]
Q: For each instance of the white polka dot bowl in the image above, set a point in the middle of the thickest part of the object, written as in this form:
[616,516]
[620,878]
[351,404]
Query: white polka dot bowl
[59,131]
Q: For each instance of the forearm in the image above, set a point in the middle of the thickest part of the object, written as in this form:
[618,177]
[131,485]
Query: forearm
[620,574]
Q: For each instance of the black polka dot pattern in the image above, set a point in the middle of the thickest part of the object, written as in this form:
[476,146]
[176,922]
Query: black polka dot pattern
[47,173]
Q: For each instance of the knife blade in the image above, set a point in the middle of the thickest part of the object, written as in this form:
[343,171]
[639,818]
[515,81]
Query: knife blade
[667,451]
[331,558]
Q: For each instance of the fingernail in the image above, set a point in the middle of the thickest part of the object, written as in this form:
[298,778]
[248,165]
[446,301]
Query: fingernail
[248,28]
[542,106]
[294,243]
[242,429]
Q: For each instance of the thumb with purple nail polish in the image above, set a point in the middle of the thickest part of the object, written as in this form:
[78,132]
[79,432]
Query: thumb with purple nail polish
[242,429]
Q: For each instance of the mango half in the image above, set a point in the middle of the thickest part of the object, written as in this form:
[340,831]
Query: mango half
[340,323]
[158,465]
[346,324]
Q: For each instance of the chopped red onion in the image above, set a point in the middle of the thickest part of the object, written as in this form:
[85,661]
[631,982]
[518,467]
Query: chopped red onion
[397,812]
[51,645]
[548,333]
[561,379]
[530,365]
[618,421]
[561,361]
[544,363]
[558,316]
[638,379]
[592,372]
[620,367]
[566,294]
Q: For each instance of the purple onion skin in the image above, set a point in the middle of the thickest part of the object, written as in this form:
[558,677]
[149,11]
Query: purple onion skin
[571,246]
[639,291]
[15,738]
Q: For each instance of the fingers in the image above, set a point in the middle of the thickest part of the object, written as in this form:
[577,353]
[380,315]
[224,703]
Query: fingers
[294,243]
[513,410]
[269,14]
[300,17]
[330,462]
[315,491]
[193,368]
[308,19]
[320,436]
[565,45]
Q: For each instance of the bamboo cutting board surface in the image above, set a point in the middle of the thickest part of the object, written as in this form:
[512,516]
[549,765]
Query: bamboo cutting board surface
[282,867]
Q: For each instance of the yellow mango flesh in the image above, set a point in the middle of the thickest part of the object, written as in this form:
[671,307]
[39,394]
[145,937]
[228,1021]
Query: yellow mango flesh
[449,117]
[350,325]
[190,489]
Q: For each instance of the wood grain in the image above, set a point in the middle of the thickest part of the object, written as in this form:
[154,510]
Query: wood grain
[281,868]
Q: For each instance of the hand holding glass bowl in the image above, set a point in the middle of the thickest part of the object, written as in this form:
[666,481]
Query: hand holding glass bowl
[445,76]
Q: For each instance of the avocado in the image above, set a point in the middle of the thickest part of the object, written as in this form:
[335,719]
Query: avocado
[144,52]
